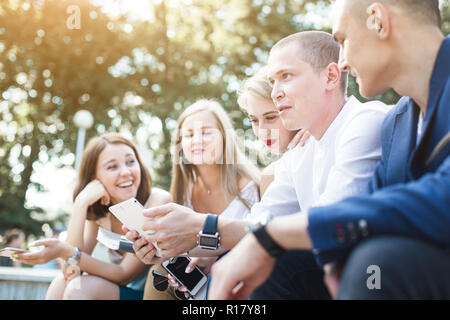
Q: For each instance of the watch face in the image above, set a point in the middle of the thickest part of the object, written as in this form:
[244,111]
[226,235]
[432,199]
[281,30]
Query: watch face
[208,241]
[71,261]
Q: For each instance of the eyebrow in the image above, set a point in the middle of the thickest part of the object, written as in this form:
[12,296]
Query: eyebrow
[264,114]
[282,71]
[278,73]
[204,127]
[114,159]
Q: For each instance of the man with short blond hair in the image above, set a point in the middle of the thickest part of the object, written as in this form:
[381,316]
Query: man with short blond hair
[315,48]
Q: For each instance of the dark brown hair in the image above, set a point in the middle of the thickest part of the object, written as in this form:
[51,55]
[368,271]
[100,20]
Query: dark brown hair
[12,235]
[88,170]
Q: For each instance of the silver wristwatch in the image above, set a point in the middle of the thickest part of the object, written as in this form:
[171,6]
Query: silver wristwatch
[75,259]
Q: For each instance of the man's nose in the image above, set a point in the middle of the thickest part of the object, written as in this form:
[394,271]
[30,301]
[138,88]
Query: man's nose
[343,65]
[276,93]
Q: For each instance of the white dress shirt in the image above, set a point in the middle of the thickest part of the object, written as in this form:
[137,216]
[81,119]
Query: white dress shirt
[340,164]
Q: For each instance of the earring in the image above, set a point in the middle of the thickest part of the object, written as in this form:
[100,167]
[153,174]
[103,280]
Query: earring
[373,23]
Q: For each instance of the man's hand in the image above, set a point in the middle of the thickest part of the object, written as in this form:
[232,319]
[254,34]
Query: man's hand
[300,138]
[144,250]
[240,271]
[332,276]
[203,263]
[176,228]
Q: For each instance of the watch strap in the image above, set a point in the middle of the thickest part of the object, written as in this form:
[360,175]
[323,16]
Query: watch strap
[267,242]
[210,226]
[208,237]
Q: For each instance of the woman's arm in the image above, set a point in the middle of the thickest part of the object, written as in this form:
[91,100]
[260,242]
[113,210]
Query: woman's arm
[93,192]
[75,230]
[125,272]
[122,273]
[158,197]
[90,236]
[267,176]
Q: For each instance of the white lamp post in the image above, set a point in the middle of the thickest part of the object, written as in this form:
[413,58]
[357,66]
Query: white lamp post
[83,119]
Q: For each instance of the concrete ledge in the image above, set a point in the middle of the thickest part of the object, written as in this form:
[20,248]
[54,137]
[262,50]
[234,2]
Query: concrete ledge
[25,283]
[28,274]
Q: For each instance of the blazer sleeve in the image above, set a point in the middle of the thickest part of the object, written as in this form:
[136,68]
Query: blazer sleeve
[419,209]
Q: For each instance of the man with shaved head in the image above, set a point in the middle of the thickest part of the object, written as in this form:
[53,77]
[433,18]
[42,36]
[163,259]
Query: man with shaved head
[394,241]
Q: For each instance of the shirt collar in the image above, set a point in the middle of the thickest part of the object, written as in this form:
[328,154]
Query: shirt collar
[330,134]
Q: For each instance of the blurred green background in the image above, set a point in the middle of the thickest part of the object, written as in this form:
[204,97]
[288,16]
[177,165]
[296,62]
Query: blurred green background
[135,65]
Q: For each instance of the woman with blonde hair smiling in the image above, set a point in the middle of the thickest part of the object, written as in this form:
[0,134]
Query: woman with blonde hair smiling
[207,160]
[210,174]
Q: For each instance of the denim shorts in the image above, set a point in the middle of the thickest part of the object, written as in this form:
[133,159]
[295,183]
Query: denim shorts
[130,294]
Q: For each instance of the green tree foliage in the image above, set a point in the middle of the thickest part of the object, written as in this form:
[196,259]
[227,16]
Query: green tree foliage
[132,75]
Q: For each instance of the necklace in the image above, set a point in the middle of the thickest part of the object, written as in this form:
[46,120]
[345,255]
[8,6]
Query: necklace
[208,190]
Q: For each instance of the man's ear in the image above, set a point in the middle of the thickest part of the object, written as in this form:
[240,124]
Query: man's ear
[378,20]
[333,76]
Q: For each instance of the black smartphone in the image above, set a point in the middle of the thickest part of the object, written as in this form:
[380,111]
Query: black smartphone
[193,281]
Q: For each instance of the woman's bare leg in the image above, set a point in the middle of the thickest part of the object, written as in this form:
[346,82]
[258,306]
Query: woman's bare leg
[89,287]
[56,289]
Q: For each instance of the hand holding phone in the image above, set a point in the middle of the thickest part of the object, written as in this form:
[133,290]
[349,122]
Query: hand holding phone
[129,212]
[193,281]
[11,252]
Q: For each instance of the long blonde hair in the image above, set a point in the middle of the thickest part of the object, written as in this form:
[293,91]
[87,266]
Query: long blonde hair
[233,164]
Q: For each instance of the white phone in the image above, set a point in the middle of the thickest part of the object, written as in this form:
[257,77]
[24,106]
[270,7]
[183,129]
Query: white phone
[129,212]
[193,281]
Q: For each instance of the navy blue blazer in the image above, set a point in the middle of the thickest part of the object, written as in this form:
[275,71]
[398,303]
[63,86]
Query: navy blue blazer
[409,193]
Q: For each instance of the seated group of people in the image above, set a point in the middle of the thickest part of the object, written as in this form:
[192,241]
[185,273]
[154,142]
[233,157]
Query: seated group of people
[357,185]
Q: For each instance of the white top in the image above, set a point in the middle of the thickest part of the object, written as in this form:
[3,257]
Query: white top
[419,128]
[236,209]
[325,171]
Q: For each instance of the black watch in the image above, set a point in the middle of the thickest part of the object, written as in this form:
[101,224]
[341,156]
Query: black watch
[265,240]
[209,238]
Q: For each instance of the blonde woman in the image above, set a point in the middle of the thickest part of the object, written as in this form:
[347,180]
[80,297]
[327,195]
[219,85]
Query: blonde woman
[255,99]
[209,169]
[210,175]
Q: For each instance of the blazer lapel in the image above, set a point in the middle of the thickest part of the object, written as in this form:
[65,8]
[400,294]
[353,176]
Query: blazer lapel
[403,143]
[432,124]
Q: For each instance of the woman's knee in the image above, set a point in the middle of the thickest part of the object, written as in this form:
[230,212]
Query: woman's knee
[77,289]
[91,288]
[56,289]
